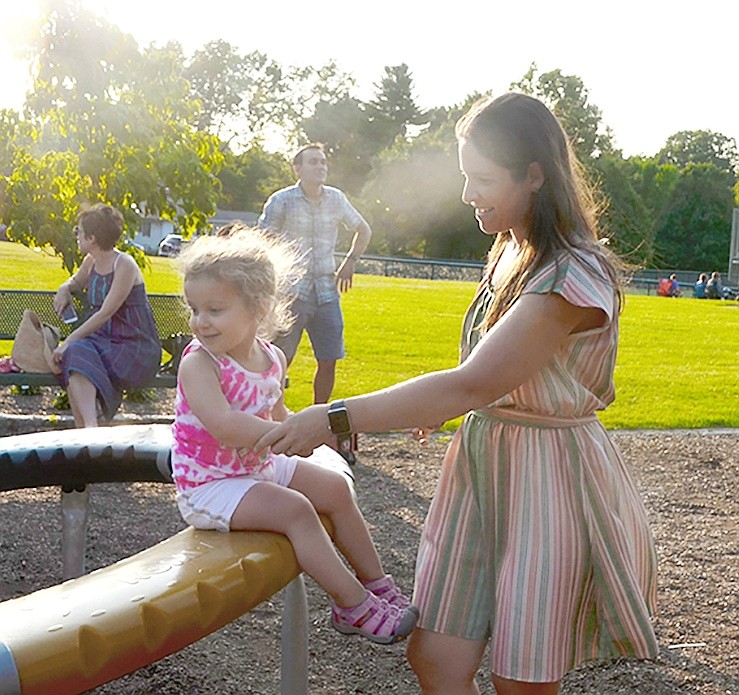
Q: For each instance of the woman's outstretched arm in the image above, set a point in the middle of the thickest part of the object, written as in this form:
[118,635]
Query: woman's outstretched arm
[517,347]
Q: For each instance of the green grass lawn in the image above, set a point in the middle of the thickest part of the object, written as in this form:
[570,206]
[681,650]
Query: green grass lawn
[678,363]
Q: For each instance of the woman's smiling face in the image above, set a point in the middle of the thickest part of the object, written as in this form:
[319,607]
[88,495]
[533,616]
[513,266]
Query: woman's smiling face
[500,202]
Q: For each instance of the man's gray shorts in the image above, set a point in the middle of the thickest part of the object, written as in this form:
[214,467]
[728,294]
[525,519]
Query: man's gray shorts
[324,324]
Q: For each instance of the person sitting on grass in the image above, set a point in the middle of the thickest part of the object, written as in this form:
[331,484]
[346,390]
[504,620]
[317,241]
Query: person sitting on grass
[716,290]
[675,290]
[699,289]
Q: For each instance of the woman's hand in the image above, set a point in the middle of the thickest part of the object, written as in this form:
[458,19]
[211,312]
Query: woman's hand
[300,433]
[62,298]
[421,434]
[58,354]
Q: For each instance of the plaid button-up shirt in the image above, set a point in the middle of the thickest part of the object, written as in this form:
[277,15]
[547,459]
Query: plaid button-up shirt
[314,228]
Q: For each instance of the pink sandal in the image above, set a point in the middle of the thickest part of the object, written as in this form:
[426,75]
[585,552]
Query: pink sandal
[374,619]
[7,366]
[386,589]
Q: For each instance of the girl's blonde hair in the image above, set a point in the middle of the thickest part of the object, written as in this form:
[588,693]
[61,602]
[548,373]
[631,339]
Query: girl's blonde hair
[513,131]
[258,265]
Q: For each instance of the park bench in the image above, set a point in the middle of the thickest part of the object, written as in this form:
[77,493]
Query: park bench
[170,314]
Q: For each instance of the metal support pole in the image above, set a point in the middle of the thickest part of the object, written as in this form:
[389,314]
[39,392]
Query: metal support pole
[74,531]
[10,683]
[294,660]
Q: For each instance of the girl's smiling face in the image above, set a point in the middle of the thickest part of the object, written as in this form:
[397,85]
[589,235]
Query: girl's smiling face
[501,203]
[220,318]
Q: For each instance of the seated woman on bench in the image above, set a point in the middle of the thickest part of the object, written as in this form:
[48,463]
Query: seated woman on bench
[117,347]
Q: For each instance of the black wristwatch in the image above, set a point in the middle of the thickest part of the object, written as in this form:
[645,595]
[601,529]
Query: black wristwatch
[338,418]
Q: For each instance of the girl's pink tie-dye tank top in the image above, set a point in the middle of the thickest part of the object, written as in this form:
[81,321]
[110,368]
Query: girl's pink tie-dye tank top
[197,457]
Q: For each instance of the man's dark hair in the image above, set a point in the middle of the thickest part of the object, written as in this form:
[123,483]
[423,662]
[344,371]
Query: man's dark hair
[298,158]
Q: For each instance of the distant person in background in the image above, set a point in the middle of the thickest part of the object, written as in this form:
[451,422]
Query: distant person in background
[699,289]
[664,287]
[675,290]
[714,288]
[117,347]
[309,214]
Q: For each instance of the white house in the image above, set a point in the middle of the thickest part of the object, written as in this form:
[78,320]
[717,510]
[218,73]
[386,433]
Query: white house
[152,229]
[151,232]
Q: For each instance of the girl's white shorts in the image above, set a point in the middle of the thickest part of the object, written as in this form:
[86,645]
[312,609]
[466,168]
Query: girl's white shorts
[210,506]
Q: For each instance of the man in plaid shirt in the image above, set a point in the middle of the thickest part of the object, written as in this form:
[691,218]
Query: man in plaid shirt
[309,214]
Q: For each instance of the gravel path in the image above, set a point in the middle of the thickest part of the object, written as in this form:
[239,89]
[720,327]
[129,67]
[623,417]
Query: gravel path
[688,480]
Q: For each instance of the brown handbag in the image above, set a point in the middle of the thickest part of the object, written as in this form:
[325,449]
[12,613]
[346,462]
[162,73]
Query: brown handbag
[34,344]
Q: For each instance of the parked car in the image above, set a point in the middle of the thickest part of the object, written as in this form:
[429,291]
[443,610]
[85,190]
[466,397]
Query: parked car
[171,245]
[134,245]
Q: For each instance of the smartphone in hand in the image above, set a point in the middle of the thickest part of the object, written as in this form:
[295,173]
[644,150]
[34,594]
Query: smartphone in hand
[69,315]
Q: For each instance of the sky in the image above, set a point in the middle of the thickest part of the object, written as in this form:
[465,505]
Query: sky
[652,67]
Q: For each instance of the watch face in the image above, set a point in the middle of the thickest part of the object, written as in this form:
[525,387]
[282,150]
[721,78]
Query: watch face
[339,421]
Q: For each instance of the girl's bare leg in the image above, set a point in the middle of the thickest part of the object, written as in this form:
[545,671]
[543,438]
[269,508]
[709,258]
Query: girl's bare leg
[445,665]
[331,495]
[270,507]
[82,394]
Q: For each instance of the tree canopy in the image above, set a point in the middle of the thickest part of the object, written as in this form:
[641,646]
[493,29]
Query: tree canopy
[159,133]
[105,122]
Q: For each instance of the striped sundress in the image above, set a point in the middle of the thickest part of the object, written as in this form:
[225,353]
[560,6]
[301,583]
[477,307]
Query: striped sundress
[537,537]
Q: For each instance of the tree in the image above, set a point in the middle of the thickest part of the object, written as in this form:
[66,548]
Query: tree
[653,182]
[245,98]
[79,59]
[412,198]
[248,178]
[15,134]
[394,102]
[626,220]
[701,147]
[109,124]
[326,85]
[44,194]
[355,132]
[343,127]
[568,99]
[695,226]
[218,78]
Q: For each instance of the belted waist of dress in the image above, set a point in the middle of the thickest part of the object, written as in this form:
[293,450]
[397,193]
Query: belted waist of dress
[529,419]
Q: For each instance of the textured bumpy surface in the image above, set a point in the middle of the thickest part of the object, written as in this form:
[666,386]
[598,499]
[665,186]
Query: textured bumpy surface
[76,635]
[77,457]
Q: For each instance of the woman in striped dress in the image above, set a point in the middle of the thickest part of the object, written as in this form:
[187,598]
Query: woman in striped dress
[536,542]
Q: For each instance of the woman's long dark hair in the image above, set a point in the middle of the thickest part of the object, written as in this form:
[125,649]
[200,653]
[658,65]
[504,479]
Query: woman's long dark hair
[513,131]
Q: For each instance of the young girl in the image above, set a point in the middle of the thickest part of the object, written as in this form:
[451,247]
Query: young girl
[536,541]
[230,387]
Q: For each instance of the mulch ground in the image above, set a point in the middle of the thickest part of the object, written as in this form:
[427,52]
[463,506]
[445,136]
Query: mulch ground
[688,480]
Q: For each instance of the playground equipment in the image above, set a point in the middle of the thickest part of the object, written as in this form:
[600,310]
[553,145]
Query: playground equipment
[92,629]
